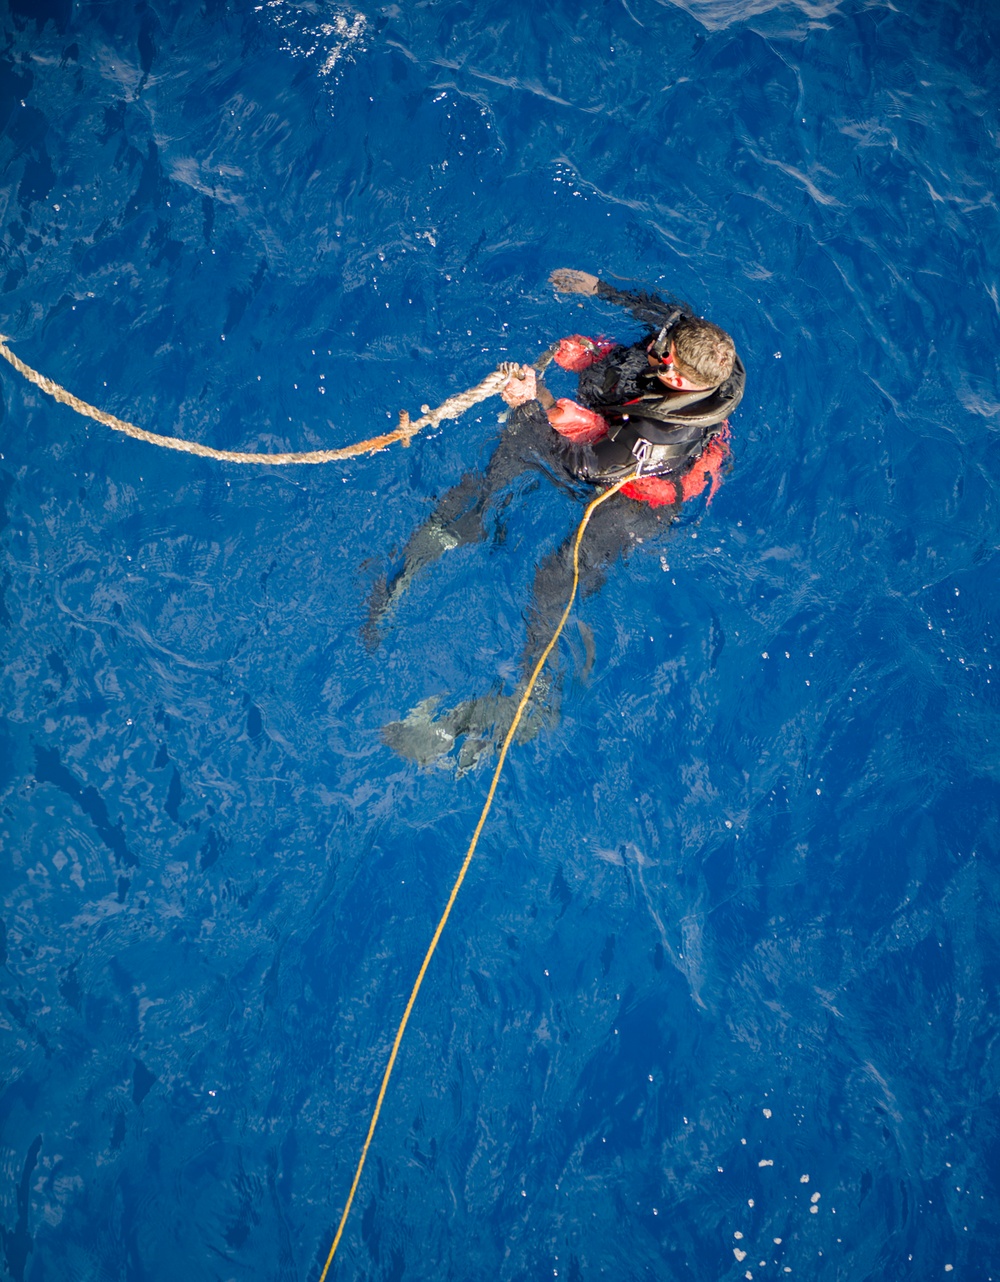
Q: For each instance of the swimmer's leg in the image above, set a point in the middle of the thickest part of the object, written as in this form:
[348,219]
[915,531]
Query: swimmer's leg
[477,727]
[456,521]
[614,531]
[458,518]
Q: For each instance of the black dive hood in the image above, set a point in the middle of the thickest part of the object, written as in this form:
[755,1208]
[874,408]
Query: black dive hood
[662,408]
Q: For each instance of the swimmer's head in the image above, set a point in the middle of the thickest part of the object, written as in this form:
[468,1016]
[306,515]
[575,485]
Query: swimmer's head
[701,356]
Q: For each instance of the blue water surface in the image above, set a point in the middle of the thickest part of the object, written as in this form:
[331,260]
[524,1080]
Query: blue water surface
[719,997]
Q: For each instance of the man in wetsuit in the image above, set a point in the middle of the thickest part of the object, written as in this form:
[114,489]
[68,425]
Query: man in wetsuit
[658,407]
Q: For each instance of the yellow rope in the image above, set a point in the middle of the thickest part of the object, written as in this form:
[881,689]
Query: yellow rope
[595,503]
[453,407]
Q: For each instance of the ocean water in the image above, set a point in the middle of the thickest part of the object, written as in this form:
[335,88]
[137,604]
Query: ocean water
[719,999]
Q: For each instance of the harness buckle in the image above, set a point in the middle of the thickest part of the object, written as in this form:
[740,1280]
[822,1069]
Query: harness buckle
[642,451]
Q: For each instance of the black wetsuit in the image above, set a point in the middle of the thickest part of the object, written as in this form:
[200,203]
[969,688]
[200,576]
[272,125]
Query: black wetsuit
[528,441]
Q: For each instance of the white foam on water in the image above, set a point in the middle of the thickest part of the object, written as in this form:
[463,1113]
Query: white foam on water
[329,37]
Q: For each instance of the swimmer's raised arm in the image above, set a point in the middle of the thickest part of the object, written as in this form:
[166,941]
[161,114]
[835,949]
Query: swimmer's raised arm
[647,308]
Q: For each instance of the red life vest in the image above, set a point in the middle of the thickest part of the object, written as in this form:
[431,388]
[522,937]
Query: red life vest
[662,491]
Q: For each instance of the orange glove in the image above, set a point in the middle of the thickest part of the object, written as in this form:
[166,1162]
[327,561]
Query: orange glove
[578,353]
[576,423]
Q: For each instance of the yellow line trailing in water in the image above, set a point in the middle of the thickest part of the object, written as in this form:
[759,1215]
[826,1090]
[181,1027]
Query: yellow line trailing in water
[522,705]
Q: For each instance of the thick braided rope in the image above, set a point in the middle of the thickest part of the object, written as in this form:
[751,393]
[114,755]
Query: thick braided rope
[453,407]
